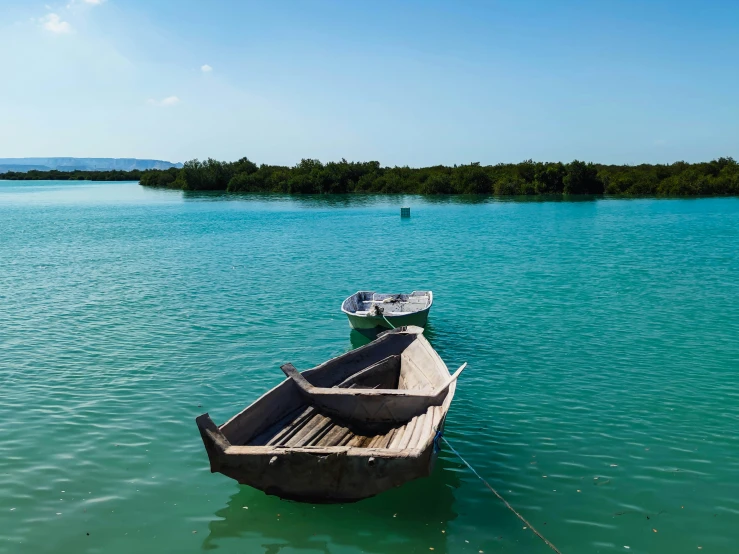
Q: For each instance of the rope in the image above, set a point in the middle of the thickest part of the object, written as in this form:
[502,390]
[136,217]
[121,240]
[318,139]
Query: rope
[386,321]
[503,500]
[437,438]
[439,435]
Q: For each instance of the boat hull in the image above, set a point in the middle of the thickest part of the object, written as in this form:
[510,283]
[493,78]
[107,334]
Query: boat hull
[327,478]
[368,323]
[321,475]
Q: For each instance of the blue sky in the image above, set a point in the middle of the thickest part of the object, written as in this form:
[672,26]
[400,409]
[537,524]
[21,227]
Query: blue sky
[417,83]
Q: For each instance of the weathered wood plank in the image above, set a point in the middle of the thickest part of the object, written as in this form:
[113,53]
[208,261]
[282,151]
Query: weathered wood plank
[345,441]
[426,431]
[333,437]
[269,435]
[417,431]
[397,437]
[316,421]
[407,434]
[386,438]
[318,431]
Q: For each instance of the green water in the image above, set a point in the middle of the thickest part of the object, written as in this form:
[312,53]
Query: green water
[601,396]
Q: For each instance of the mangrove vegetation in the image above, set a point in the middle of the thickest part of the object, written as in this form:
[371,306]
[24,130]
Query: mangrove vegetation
[76,175]
[719,177]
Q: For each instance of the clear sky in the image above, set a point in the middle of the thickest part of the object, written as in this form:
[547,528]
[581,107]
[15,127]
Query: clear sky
[403,82]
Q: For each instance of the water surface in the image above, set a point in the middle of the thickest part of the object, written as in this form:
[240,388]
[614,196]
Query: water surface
[601,397]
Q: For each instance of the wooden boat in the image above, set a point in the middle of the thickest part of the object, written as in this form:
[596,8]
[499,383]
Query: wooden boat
[369,310]
[373,409]
[285,446]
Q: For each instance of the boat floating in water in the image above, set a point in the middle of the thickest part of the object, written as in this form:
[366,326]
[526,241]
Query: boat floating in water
[290,445]
[382,401]
[369,311]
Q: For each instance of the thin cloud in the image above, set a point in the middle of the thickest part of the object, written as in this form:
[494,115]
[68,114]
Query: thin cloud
[53,23]
[206,68]
[164,102]
[75,3]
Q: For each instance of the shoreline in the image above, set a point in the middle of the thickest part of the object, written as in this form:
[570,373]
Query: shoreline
[717,178]
[459,197]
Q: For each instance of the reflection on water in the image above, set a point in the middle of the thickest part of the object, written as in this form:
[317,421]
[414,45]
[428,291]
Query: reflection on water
[303,201]
[387,523]
[429,331]
[360,200]
[81,193]
[357,338]
[75,192]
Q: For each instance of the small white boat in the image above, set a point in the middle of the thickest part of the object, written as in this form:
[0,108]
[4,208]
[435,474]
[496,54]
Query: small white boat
[371,311]
[287,445]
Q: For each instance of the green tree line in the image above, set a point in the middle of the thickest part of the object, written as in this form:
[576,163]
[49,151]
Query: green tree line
[718,177]
[76,175]
[714,178]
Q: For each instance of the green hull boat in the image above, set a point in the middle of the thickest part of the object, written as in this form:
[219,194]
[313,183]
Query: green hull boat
[369,311]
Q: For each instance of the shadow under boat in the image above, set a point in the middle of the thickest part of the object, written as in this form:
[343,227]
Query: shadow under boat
[366,336]
[384,524]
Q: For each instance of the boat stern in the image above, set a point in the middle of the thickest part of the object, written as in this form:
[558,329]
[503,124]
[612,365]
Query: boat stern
[214,440]
[326,475]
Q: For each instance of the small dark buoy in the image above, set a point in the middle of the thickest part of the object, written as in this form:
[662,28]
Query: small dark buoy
[405,212]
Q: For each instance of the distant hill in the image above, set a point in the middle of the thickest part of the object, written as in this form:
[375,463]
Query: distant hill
[83,164]
[4,168]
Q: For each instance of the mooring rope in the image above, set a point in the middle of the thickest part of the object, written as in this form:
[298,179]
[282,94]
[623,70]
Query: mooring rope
[503,500]
[439,435]
[386,321]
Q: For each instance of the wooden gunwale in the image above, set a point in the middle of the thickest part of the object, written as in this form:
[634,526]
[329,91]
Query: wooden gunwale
[305,430]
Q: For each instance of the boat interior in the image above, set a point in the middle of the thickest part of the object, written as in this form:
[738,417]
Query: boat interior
[283,417]
[362,302]
[306,427]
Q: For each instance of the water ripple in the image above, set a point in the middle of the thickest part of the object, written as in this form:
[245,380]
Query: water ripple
[600,398]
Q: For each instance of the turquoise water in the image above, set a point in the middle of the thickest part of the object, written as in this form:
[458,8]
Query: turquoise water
[601,397]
